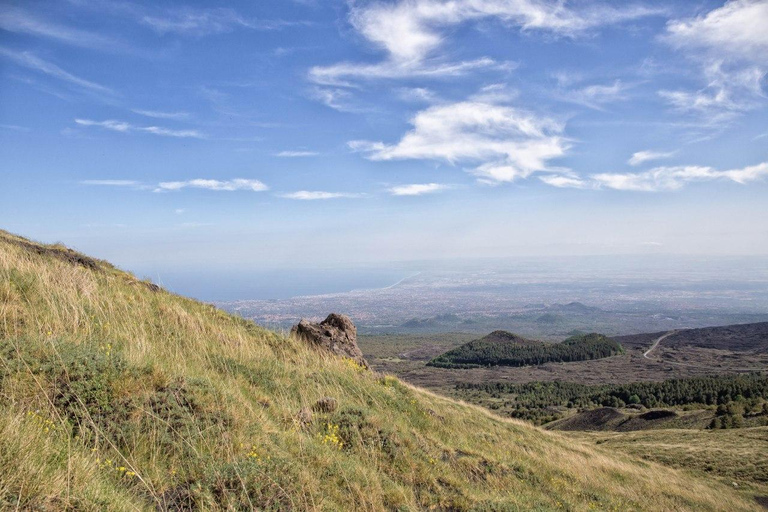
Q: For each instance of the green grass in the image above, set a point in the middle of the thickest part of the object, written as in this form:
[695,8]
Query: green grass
[117,395]
[732,456]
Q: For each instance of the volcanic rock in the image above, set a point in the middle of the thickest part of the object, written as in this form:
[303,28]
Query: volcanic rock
[336,334]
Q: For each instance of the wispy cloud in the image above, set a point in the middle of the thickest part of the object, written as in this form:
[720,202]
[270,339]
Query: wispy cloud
[417,94]
[731,44]
[124,127]
[20,21]
[337,99]
[111,183]
[296,154]
[410,31]
[640,157]
[312,195]
[200,183]
[562,181]
[217,185]
[14,127]
[662,178]
[737,29]
[418,189]
[595,96]
[339,74]
[186,21]
[728,93]
[502,142]
[31,61]
[201,22]
[156,114]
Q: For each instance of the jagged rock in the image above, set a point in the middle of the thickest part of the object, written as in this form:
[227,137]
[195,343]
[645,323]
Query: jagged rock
[336,334]
[325,404]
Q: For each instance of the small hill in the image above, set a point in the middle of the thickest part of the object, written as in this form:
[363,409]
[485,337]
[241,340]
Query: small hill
[574,307]
[118,395]
[752,338]
[610,419]
[501,348]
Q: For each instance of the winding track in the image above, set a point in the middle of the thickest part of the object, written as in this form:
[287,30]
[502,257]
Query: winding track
[670,333]
[656,343]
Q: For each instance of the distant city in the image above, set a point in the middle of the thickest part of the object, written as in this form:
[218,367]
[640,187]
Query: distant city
[546,298]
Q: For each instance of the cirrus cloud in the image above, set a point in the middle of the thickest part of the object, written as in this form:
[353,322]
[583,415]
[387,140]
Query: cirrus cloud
[124,127]
[217,185]
[314,195]
[674,178]
[640,157]
[418,189]
[409,32]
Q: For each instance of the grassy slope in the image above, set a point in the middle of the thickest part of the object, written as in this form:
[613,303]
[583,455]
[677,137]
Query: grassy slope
[737,455]
[117,396]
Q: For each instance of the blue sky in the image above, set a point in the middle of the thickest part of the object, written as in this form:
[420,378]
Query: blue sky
[295,133]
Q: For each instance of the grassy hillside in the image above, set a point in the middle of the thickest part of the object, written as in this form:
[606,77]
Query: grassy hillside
[501,348]
[117,395]
[733,456]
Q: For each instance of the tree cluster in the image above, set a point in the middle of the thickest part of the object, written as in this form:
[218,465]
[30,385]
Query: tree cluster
[492,352]
[736,396]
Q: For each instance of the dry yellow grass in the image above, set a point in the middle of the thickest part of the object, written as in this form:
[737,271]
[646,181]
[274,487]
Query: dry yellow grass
[116,395]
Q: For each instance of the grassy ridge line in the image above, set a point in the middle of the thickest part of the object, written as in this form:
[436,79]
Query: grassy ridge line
[117,395]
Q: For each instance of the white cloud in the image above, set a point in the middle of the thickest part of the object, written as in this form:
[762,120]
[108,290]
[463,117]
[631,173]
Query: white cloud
[31,61]
[417,94]
[124,127]
[673,178]
[561,181]
[111,183]
[595,96]
[502,142]
[162,115]
[418,189]
[312,195]
[641,157]
[195,21]
[335,98]
[339,74]
[737,29]
[409,31]
[296,154]
[13,19]
[727,93]
[201,22]
[228,185]
[731,42]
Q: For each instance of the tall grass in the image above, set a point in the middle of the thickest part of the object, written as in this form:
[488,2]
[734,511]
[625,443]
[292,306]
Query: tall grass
[116,395]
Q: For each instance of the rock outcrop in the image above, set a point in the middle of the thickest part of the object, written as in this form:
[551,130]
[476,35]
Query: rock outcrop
[336,334]
[326,404]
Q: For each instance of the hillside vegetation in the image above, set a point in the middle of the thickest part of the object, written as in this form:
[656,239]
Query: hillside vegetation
[117,395]
[735,396]
[734,456]
[501,348]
